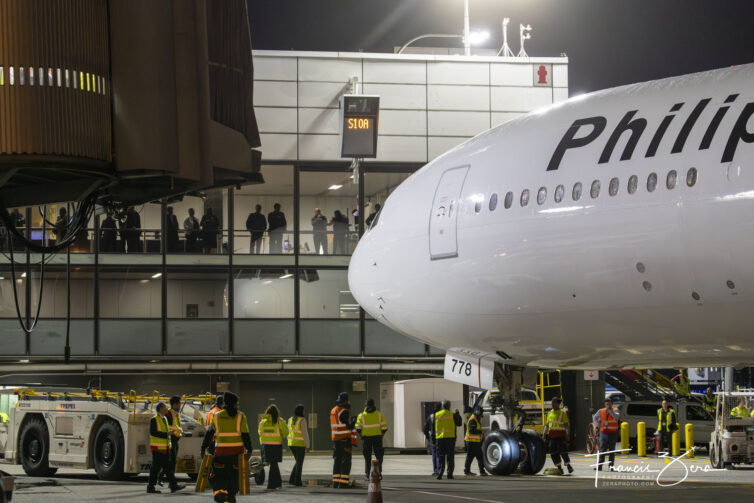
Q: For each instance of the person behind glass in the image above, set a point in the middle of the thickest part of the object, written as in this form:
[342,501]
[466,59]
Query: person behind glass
[159,444]
[133,230]
[606,420]
[61,225]
[429,434]
[209,225]
[108,237]
[256,224]
[339,224]
[171,227]
[17,218]
[319,232]
[373,215]
[272,430]
[191,227]
[298,443]
[277,226]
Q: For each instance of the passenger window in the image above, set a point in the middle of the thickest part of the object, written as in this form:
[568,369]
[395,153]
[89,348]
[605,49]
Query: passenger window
[651,182]
[671,179]
[633,184]
[524,197]
[595,190]
[493,202]
[691,177]
[614,185]
[559,190]
[508,199]
[541,195]
[576,193]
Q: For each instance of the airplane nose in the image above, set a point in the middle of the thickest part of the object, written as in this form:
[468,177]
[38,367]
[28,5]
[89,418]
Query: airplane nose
[361,274]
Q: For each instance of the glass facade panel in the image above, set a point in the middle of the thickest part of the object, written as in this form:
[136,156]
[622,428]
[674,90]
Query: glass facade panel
[48,337]
[380,340]
[196,293]
[192,337]
[325,294]
[328,212]
[263,293]
[12,339]
[130,337]
[264,337]
[130,293]
[330,337]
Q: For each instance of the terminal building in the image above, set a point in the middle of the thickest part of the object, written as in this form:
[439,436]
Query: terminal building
[181,310]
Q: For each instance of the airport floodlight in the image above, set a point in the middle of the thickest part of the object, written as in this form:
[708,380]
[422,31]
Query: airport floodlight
[477,37]
[525,34]
[505,50]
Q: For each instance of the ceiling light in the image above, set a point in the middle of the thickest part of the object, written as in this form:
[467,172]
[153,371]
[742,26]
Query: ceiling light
[154,361]
[23,275]
[144,281]
[335,187]
[155,276]
[2,277]
[286,276]
[285,361]
[23,361]
[267,282]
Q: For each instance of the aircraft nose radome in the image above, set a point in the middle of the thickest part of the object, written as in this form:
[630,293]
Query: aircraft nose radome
[359,275]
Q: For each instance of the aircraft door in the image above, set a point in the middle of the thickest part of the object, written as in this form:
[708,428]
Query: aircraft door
[444,216]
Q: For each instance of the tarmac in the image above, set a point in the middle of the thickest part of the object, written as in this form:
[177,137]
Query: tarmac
[407,478]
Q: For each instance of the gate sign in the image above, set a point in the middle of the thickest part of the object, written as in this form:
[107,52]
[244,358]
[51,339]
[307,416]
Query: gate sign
[591,375]
[542,75]
[470,367]
[358,125]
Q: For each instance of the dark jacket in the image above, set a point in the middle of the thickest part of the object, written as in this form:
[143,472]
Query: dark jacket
[256,222]
[133,220]
[319,224]
[154,431]
[276,221]
[429,428]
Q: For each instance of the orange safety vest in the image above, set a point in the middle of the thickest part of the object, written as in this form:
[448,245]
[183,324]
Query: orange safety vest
[338,430]
[608,424]
[211,414]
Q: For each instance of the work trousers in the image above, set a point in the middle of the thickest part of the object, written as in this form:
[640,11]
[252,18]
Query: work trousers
[341,469]
[447,453]
[435,459]
[224,478]
[320,240]
[473,451]
[255,246]
[298,467]
[161,462]
[558,447]
[371,444]
[607,444]
[665,442]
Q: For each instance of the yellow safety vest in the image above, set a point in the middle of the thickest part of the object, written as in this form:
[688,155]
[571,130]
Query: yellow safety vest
[371,424]
[228,431]
[296,434]
[709,402]
[682,385]
[556,420]
[272,433]
[157,443]
[670,415]
[4,417]
[445,425]
[473,437]
[177,423]
[740,412]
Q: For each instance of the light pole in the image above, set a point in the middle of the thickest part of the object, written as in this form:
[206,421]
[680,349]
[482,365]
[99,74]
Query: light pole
[525,33]
[468,37]
[466,34]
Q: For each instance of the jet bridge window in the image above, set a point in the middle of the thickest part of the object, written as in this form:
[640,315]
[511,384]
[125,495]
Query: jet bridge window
[614,186]
[576,192]
[691,177]
[671,179]
[493,202]
[524,197]
[652,182]
[595,190]
[633,184]
[541,195]
[508,200]
[559,190]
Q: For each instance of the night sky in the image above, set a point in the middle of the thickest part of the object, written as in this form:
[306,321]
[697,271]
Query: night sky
[608,42]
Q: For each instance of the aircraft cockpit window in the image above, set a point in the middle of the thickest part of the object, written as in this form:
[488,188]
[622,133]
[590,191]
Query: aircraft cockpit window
[508,199]
[493,202]
[671,179]
[595,190]
[614,186]
[633,184]
[541,195]
[691,177]
[559,190]
[651,182]
[524,197]
[576,192]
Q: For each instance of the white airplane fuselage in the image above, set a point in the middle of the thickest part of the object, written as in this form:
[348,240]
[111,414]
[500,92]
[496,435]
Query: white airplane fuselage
[630,280]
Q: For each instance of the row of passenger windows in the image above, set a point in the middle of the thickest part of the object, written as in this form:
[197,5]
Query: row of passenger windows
[671,181]
[52,77]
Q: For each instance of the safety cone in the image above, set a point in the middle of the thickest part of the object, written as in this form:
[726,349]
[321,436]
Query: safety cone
[375,489]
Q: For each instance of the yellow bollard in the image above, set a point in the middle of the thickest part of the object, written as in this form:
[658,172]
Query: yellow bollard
[624,438]
[641,439]
[676,443]
[689,440]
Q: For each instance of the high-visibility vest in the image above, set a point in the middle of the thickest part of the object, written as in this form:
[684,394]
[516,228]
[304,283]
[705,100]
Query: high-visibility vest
[228,441]
[272,433]
[472,437]
[740,412]
[608,424]
[556,420]
[4,417]
[211,414]
[669,418]
[338,430]
[157,443]
[371,424]
[445,425]
[176,417]
[682,385]
[709,402]
[295,433]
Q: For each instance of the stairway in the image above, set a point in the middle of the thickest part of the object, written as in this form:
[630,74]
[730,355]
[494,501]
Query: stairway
[638,386]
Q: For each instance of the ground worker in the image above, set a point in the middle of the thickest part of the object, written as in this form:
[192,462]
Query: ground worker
[272,430]
[557,433]
[230,431]
[429,433]
[174,421]
[4,417]
[682,386]
[473,440]
[298,443]
[340,432]
[667,424]
[215,409]
[159,444]
[446,423]
[741,410]
[371,426]
[710,401]
[606,420]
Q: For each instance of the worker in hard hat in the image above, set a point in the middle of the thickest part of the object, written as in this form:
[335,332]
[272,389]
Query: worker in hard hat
[340,432]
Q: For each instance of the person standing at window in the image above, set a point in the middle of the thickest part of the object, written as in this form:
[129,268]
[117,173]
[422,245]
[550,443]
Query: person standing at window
[277,225]
[61,225]
[171,226]
[133,230]
[339,224]
[256,224]
[371,217]
[191,227]
[209,225]
[319,228]
[109,235]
